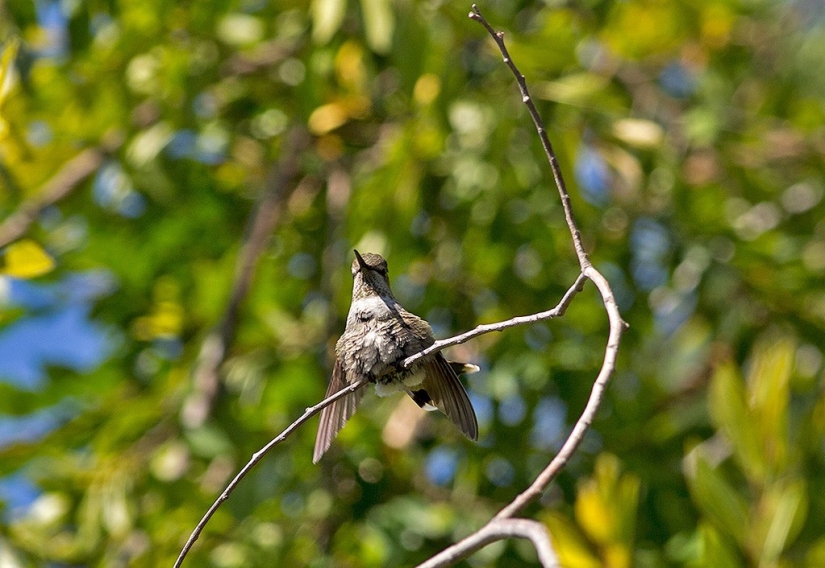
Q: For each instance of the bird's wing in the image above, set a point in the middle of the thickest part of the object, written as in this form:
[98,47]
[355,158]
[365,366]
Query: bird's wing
[334,416]
[411,332]
[448,395]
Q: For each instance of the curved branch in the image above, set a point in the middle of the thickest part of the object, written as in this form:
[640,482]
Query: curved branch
[502,525]
[617,326]
[494,531]
[256,457]
[486,534]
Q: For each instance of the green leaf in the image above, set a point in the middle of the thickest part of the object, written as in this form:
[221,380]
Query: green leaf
[719,501]
[715,549]
[728,410]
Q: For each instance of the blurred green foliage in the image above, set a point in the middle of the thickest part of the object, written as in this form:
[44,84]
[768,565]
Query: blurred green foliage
[692,138]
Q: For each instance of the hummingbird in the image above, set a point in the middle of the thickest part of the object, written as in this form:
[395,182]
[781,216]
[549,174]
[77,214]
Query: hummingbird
[380,334]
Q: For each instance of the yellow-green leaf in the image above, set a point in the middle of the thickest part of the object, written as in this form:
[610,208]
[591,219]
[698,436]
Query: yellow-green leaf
[594,513]
[720,501]
[27,259]
[6,70]
[768,385]
[6,80]
[327,16]
[726,402]
[606,510]
[379,24]
[780,517]
[571,547]
[715,549]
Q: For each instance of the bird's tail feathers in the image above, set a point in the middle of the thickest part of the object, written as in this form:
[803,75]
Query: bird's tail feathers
[334,416]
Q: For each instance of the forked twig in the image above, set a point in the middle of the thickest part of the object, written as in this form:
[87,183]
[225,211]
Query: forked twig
[558,311]
[471,543]
[496,530]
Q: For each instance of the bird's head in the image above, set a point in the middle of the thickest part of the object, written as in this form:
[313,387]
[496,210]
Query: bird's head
[370,274]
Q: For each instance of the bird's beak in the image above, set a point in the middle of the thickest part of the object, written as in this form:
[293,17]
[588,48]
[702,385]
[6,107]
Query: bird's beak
[360,260]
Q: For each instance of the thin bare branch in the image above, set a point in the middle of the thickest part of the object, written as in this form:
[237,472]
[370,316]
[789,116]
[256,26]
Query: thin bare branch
[61,184]
[617,325]
[256,457]
[494,531]
[545,141]
[558,311]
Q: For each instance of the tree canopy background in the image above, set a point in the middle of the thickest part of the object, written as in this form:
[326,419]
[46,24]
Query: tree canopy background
[692,138]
